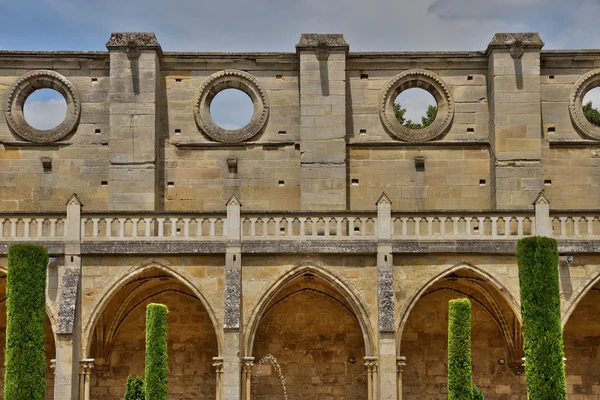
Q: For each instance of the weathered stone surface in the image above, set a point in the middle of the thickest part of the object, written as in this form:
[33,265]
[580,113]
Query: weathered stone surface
[68,302]
[233,293]
[385,288]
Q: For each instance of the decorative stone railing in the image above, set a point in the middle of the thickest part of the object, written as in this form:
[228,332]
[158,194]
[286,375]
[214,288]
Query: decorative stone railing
[252,226]
[463,225]
[163,226]
[308,225]
[25,227]
[575,224]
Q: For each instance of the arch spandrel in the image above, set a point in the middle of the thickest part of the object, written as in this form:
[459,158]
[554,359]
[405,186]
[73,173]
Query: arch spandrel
[118,282]
[347,293]
[576,282]
[437,275]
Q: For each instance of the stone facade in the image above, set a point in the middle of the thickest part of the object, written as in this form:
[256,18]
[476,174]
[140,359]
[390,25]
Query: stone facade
[323,235]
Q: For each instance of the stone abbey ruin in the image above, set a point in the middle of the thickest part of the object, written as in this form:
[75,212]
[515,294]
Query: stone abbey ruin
[324,234]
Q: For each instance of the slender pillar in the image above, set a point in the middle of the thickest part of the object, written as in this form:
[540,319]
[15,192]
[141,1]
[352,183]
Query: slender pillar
[85,376]
[372,379]
[401,363]
[248,362]
[218,364]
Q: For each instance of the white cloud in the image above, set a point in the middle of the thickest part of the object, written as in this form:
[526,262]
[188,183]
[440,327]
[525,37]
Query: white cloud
[45,114]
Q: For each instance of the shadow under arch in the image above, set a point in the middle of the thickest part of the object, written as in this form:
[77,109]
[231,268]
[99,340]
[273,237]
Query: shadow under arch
[575,302]
[129,277]
[353,299]
[505,294]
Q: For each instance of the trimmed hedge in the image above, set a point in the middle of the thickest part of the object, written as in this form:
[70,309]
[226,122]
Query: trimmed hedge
[460,386]
[135,389]
[540,310]
[156,352]
[477,395]
[25,354]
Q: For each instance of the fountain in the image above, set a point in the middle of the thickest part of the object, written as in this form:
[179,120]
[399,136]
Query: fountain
[269,359]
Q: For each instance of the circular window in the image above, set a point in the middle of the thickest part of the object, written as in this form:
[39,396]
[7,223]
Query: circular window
[231,109]
[45,109]
[415,108]
[43,106]
[437,118]
[226,131]
[584,104]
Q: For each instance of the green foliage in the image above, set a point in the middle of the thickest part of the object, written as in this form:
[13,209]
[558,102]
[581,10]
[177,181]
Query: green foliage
[460,386]
[540,310]
[25,354]
[592,114]
[427,120]
[156,352]
[135,389]
[477,394]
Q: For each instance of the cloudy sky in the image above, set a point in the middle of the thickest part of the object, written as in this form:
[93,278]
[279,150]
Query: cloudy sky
[276,25]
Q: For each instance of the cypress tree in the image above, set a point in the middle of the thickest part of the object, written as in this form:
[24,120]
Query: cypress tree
[540,311]
[25,354]
[460,386]
[156,352]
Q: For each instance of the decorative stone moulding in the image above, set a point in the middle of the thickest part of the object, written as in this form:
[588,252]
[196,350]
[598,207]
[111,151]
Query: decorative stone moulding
[26,85]
[583,85]
[416,79]
[231,79]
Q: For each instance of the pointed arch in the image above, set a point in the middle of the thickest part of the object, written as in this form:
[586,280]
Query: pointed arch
[464,266]
[349,294]
[119,283]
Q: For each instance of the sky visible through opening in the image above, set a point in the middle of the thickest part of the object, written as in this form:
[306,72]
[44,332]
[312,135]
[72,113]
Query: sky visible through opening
[231,109]
[416,101]
[45,109]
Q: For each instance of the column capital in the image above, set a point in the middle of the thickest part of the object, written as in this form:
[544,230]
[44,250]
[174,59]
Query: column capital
[400,363]
[218,364]
[86,365]
[371,363]
[53,365]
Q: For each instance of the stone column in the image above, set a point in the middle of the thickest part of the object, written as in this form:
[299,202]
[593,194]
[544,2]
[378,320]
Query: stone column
[543,224]
[248,362]
[385,294]
[515,119]
[322,121]
[401,363]
[218,364]
[372,378]
[68,331]
[233,303]
[134,83]
[85,375]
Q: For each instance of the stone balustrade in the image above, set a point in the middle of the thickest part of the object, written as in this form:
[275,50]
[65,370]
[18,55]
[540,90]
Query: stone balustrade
[253,226]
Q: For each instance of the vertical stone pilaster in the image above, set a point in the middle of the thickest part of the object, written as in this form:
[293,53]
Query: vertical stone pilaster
[68,331]
[134,82]
[322,121]
[543,225]
[515,119]
[233,304]
[385,376]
